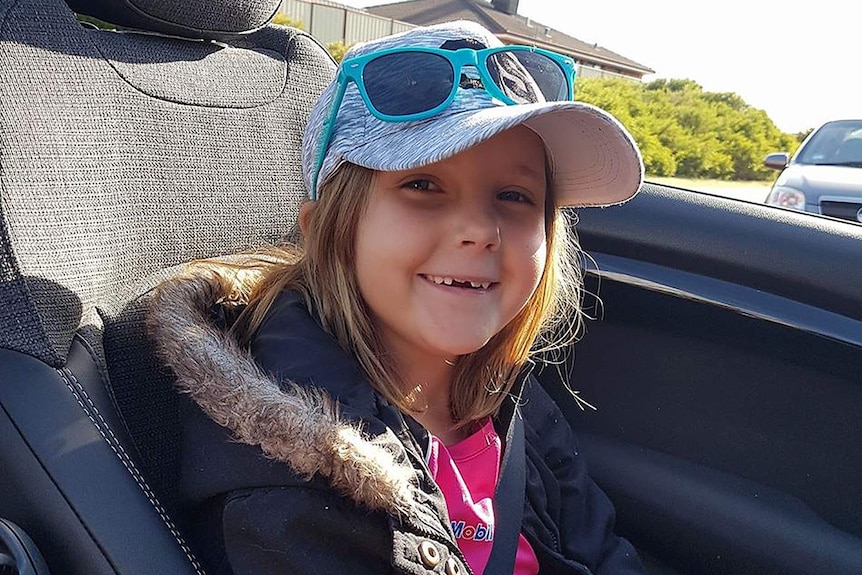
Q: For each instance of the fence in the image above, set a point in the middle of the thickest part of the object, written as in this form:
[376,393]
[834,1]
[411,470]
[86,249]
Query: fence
[336,23]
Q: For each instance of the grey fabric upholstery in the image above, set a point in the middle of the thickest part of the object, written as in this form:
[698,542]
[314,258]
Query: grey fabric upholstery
[109,175]
[124,155]
[211,19]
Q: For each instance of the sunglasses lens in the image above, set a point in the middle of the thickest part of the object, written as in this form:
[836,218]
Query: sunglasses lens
[406,83]
[528,77]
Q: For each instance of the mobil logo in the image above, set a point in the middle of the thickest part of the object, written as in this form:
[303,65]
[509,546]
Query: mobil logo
[477,532]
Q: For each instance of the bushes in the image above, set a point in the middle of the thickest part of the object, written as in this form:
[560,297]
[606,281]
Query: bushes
[686,132]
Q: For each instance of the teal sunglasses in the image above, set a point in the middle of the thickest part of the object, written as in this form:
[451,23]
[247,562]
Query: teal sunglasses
[408,84]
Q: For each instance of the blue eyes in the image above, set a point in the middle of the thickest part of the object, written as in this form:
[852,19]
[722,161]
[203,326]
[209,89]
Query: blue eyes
[423,185]
[514,196]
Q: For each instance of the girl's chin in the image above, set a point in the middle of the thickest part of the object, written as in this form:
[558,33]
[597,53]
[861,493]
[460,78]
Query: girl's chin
[453,349]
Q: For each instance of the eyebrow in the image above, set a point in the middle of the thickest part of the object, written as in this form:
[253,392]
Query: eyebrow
[529,171]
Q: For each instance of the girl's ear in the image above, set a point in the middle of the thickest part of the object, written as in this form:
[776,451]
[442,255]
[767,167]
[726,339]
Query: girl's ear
[305,211]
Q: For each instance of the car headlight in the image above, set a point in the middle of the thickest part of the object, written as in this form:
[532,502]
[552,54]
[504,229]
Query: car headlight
[785,197]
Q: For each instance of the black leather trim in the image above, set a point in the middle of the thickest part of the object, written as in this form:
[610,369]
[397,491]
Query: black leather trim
[129,14]
[72,449]
[801,257]
[716,522]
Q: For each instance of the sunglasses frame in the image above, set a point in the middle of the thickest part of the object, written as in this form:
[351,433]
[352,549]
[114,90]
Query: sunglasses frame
[352,69]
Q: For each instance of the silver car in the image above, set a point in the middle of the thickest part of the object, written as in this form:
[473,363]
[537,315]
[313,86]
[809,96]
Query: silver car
[824,176]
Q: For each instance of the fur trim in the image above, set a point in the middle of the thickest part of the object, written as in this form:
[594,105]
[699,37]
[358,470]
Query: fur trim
[296,425]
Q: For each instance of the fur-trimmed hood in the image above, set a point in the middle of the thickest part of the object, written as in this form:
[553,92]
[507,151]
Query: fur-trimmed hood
[298,425]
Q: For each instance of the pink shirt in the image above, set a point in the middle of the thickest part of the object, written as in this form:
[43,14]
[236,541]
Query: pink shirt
[467,473]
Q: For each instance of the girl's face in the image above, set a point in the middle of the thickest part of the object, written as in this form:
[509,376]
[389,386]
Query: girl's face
[449,253]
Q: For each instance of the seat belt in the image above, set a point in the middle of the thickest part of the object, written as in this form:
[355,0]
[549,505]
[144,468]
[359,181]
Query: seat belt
[509,498]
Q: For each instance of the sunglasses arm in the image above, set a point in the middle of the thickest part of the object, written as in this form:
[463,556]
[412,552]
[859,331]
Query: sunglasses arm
[326,130]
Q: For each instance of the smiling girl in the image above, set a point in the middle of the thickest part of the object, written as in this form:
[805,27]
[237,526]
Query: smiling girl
[385,370]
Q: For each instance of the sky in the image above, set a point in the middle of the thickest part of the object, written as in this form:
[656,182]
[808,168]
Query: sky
[800,66]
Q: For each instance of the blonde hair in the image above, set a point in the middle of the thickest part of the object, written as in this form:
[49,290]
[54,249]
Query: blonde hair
[323,273]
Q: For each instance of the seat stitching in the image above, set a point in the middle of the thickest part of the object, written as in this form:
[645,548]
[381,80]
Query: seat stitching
[108,435]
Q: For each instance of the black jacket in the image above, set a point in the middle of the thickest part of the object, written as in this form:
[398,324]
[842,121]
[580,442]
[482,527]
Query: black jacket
[292,480]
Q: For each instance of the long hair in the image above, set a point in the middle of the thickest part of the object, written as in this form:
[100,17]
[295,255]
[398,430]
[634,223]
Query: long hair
[323,272]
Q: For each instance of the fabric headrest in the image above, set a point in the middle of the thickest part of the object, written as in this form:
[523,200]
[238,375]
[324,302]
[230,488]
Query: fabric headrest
[207,19]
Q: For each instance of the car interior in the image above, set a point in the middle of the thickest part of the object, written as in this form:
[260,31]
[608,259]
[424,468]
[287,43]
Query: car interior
[724,353]
[850,151]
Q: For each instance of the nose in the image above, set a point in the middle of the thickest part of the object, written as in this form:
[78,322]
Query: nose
[478,226]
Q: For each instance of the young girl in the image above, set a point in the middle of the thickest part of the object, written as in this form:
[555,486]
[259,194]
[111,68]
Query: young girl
[384,371]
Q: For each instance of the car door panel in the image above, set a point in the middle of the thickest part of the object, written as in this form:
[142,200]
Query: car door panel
[727,378]
[706,521]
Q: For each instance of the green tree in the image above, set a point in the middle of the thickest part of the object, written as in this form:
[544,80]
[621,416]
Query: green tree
[800,136]
[283,19]
[95,22]
[684,131]
[338,49]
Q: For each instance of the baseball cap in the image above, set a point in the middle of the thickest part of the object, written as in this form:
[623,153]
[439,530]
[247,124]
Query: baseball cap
[594,161]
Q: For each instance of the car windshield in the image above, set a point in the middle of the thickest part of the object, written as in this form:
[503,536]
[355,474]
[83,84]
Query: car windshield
[835,144]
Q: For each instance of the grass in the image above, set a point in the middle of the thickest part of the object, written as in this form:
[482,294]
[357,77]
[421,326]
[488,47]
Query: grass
[708,184]
[750,191]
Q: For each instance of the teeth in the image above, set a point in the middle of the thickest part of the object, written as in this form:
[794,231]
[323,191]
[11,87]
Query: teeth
[440,280]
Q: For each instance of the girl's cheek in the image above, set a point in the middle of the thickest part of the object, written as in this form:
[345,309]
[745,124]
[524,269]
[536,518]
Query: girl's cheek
[540,259]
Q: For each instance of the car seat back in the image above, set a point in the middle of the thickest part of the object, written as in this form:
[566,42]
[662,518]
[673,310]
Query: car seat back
[849,151]
[123,155]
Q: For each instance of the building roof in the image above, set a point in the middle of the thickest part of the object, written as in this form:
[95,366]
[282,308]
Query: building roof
[513,27]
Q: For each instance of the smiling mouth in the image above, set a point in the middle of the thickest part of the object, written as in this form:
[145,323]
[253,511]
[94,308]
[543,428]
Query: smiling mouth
[454,282]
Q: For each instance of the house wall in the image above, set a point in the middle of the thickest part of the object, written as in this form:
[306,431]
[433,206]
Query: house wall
[331,22]
[334,23]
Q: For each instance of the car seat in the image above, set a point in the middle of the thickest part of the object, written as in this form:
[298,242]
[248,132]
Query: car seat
[849,151]
[123,155]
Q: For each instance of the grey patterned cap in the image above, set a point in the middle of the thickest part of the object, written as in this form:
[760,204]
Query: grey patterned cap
[594,160]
